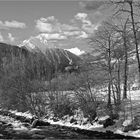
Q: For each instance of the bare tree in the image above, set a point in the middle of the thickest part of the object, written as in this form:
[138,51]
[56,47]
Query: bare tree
[104,43]
[123,30]
[130,8]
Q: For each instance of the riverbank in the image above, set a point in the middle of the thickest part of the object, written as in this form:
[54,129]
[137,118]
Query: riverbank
[20,127]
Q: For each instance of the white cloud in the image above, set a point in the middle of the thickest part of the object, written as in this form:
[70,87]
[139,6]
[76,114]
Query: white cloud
[1,38]
[90,29]
[82,20]
[53,33]
[72,33]
[11,38]
[54,36]
[76,34]
[49,25]
[66,27]
[44,27]
[76,51]
[83,35]
[52,30]
[2,26]
[49,19]
[12,24]
[83,17]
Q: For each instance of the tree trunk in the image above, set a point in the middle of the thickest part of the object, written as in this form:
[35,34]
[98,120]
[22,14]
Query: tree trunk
[109,94]
[110,74]
[119,88]
[135,35]
[125,69]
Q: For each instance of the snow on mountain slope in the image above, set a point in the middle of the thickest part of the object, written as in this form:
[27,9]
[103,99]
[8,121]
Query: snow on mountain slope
[76,51]
[44,41]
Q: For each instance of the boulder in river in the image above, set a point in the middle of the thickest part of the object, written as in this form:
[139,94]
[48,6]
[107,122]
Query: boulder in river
[55,119]
[108,122]
[73,120]
[37,122]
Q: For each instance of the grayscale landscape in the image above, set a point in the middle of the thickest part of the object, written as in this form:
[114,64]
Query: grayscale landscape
[69,69]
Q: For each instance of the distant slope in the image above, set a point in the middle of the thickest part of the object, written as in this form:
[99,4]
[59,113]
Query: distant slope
[38,64]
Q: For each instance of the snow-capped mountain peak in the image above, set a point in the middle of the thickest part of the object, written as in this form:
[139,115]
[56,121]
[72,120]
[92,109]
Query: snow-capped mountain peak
[43,41]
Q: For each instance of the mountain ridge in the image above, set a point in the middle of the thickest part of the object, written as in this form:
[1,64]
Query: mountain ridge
[44,41]
[38,64]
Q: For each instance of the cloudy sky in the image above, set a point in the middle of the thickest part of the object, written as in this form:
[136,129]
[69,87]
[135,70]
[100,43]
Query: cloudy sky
[67,24]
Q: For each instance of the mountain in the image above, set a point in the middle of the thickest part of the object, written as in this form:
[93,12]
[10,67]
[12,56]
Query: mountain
[43,41]
[37,43]
[38,63]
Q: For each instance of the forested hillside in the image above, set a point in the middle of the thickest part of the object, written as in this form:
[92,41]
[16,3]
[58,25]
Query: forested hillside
[23,71]
[36,64]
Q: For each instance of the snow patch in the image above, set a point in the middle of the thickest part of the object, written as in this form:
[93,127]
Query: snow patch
[76,51]
[103,118]
[22,128]
[25,114]
[127,122]
[134,133]
[80,120]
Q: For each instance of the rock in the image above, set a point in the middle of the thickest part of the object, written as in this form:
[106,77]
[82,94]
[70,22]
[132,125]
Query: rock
[37,122]
[26,124]
[18,117]
[129,127]
[5,113]
[27,120]
[108,122]
[136,121]
[21,118]
[2,122]
[55,119]
[86,122]
[102,120]
[133,125]
[76,123]
[12,115]
[73,120]
[37,136]
[33,131]
[34,123]
[7,126]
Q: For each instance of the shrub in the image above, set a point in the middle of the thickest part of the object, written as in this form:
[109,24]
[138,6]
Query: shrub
[61,105]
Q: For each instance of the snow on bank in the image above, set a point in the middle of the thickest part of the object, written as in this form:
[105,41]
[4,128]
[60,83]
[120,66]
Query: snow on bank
[87,126]
[25,114]
[129,133]
[17,125]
